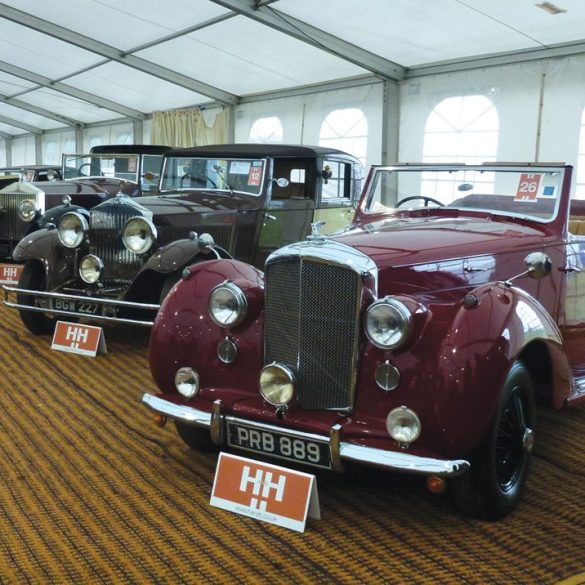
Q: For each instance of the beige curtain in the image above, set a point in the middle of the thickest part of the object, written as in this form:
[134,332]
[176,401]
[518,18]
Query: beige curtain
[192,127]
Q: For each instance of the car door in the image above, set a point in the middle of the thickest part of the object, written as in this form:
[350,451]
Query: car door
[572,307]
[289,207]
[339,187]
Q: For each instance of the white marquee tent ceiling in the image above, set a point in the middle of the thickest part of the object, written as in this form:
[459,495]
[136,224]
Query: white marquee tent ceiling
[70,63]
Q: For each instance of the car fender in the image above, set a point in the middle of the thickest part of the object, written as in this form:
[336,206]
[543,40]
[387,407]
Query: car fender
[517,320]
[44,246]
[53,215]
[491,328]
[184,334]
[166,261]
[181,253]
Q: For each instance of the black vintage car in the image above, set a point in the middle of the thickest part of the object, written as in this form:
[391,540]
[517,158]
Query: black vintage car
[137,163]
[28,206]
[29,174]
[118,260]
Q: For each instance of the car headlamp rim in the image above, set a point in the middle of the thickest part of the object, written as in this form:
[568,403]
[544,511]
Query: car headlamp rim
[227,305]
[28,210]
[277,384]
[402,316]
[138,235]
[72,230]
[91,268]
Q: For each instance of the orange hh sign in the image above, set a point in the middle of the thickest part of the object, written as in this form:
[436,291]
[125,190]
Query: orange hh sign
[266,492]
[10,273]
[77,338]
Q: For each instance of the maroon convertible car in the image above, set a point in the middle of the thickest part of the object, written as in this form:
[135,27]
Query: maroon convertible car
[419,340]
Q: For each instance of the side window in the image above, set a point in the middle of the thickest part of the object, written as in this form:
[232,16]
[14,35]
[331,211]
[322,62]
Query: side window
[299,176]
[336,177]
[151,165]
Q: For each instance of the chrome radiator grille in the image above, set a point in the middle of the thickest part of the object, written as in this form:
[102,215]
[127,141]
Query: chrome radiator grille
[311,326]
[11,226]
[105,241]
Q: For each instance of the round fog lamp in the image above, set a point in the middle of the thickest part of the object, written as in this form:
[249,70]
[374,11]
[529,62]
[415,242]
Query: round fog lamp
[227,304]
[27,210]
[403,425]
[187,382]
[276,384]
[90,269]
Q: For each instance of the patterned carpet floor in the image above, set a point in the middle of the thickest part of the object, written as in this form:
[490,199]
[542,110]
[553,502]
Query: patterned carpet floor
[91,491]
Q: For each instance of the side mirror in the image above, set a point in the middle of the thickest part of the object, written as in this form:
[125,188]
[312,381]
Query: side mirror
[538,265]
[282,182]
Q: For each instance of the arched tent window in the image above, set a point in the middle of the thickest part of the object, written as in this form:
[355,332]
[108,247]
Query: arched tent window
[266,130]
[580,179]
[124,137]
[346,130]
[462,129]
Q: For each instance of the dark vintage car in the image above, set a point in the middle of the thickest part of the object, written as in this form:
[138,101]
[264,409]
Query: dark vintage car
[27,206]
[419,340]
[29,174]
[137,163]
[118,261]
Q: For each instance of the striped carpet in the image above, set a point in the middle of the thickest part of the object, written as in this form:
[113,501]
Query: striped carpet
[92,492]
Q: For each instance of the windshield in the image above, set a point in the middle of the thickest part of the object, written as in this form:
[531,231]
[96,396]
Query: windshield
[243,175]
[95,165]
[524,192]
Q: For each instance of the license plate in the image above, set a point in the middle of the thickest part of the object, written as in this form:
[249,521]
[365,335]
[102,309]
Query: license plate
[279,445]
[75,306]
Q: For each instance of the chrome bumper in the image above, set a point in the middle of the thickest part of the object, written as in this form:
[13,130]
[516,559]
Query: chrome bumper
[340,450]
[112,304]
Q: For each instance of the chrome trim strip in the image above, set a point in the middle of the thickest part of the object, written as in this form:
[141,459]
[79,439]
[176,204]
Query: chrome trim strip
[331,251]
[335,448]
[378,457]
[216,424]
[98,300]
[106,302]
[403,461]
[186,414]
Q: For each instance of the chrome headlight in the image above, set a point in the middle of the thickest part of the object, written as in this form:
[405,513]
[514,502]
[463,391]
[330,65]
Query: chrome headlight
[138,235]
[388,323]
[187,382]
[91,268]
[403,425]
[227,304]
[28,209]
[72,229]
[277,384]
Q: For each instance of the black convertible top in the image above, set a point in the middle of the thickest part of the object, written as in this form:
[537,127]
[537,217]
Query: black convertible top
[130,149]
[255,150]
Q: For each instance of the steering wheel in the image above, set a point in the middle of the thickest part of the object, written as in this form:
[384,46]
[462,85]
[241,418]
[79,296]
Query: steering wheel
[80,173]
[189,176]
[427,200]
